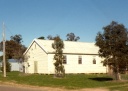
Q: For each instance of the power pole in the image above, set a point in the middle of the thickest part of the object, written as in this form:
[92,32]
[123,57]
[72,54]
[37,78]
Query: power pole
[4,61]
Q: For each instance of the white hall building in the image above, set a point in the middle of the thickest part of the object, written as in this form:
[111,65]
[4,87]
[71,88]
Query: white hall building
[80,57]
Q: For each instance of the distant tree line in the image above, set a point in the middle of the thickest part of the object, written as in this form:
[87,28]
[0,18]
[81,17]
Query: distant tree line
[70,37]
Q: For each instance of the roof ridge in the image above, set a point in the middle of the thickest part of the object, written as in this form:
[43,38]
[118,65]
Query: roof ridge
[65,41]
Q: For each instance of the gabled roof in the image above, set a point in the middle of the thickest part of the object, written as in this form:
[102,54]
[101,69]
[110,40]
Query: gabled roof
[70,47]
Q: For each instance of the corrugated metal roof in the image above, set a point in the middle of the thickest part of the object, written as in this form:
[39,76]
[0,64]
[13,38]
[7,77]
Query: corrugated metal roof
[69,47]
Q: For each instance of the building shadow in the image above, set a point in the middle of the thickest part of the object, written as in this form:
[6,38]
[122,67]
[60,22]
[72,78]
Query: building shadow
[101,79]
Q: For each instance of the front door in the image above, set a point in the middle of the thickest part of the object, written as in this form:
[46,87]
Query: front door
[35,67]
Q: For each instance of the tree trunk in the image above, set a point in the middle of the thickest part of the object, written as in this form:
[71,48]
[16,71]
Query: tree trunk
[117,74]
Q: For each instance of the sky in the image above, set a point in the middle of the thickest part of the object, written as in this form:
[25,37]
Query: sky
[36,18]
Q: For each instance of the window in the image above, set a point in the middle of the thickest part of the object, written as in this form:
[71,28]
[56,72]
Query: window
[65,60]
[80,60]
[94,61]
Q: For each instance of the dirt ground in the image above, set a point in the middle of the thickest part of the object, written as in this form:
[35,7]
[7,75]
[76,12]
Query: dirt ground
[49,88]
[59,89]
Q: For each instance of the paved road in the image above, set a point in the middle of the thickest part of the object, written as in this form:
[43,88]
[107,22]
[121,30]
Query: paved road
[14,88]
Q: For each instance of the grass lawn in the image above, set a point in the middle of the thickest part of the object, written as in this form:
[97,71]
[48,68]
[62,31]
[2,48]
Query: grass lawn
[71,81]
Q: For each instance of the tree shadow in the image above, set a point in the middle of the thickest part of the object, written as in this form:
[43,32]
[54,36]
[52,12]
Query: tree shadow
[101,79]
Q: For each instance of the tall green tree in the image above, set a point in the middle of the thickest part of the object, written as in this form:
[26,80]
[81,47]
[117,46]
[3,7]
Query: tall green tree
[58,45]
[72,37]
[113,44]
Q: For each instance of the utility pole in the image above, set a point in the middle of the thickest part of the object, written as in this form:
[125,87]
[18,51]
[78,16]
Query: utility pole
[4,61]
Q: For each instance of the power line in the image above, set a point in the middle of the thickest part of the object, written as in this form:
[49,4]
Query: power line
[7,29]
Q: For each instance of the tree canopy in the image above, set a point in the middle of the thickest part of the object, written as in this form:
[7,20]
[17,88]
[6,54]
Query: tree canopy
[42,37]
[50,37]
[72,37]
[14,48]
[113,44]
[17,38]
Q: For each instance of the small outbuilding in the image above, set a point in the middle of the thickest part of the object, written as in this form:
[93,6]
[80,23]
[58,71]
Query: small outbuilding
[16,65]
[79,57]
